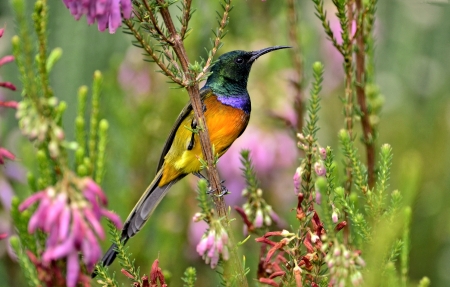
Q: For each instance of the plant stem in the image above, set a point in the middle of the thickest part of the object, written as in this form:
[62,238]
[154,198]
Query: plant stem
[297,63]
[361,96]
[348,109]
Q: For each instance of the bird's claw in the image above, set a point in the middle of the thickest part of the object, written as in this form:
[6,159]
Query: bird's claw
[223,189]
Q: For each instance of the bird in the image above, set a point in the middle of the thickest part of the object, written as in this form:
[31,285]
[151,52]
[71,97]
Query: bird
[226,105]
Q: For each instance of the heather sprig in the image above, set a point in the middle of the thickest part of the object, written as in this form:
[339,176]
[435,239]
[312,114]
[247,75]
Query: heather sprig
[359,173]
[157,38]
[125,260]
[256,212]
[190,277]
[27,267]
[382,182]
[308,139]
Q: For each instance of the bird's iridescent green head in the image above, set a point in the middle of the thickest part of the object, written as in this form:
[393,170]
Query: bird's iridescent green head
[230,72]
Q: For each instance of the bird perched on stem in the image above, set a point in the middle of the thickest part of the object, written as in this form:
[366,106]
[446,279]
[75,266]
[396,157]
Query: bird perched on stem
[227,107]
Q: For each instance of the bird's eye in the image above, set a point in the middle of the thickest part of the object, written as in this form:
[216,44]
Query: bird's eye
[239,60]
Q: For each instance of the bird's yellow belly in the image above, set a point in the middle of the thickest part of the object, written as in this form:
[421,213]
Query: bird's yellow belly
[224,123]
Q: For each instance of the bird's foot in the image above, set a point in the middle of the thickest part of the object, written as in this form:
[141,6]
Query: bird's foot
[223,190]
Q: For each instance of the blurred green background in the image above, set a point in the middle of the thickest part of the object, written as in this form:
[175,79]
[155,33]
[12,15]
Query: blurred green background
[412,60]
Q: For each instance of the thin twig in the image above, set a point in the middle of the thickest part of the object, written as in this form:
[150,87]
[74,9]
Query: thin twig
[185,17]
[155,24]
[322,15]
[145,45]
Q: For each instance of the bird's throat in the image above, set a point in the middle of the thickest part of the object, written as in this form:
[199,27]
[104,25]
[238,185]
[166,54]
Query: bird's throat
[237,101]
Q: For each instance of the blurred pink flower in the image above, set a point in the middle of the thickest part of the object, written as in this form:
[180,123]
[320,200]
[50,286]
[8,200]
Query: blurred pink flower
[4,153]
[107,13]
[270,152]
[134,76]
[334,216]
[9,104]
[72,226]
[297,179]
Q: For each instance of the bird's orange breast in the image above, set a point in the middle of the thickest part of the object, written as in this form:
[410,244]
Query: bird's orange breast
[225,125]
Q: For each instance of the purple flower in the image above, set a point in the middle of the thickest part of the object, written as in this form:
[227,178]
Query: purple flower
[107,13]
[72,225]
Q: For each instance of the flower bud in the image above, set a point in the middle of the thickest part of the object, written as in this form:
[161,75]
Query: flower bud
[259,192]
[297,179]
[323,152]
[318,68]
[334,217]
[319,168]
[258,222]
[197,217]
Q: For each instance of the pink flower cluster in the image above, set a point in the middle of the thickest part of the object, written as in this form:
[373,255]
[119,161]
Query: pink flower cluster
[212,245]
[72,226]
[107,13]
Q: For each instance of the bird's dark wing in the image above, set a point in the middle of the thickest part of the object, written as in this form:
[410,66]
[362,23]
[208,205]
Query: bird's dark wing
[184,113]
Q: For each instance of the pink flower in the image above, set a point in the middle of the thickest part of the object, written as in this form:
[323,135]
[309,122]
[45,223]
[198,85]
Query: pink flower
[4,153]
[73,226]
[107,13]
[297,179]
[259,219]
[9,104]
[212,246]
[318,197]
[334,217]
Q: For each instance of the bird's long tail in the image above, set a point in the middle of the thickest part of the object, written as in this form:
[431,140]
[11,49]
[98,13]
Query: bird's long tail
[140,214]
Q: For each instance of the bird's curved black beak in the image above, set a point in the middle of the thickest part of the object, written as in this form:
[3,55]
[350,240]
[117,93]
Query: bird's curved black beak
[259,53]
